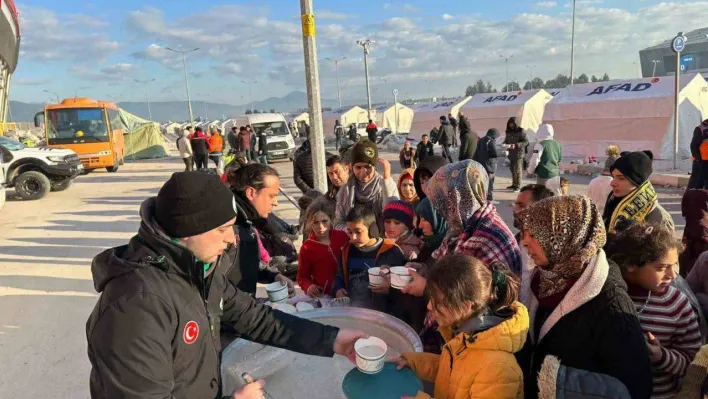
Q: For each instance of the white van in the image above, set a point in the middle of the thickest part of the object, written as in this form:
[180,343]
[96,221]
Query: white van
[280,143]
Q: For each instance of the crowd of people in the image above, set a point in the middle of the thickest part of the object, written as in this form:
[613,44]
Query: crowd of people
[588,300]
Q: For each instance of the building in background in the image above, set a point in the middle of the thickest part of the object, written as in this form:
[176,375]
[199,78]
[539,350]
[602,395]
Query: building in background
[693,59]
[9,52]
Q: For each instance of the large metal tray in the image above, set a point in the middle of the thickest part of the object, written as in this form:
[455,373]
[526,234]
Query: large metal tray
[293,375]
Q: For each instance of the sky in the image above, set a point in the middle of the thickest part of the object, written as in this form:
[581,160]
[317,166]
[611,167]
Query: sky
[98,48]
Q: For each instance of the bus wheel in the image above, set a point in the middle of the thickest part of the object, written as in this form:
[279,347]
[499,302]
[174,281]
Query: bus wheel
[113,169]
[32,185]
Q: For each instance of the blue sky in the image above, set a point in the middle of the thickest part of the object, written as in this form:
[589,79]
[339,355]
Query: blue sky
[97,48]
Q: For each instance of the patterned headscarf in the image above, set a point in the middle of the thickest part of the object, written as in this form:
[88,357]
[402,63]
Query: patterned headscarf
[457,191]
[570,231]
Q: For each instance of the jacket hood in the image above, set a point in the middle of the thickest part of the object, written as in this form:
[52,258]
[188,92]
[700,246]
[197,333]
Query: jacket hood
[493,133]
[545,132]
[506,336]
[430,164]
[151,247]
[445,122]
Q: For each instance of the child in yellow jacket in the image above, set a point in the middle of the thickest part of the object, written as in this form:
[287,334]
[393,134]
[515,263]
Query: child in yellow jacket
[483,324]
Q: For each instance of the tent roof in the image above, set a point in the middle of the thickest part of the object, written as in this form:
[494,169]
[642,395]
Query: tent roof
[437,106]
[503,99]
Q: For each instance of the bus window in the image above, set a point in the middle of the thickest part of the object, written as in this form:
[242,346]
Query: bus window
[69,125]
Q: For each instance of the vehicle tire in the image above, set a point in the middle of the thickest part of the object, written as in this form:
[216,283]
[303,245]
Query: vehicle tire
[61,185]
[121,162]
[32,185]
[113,169]
[2,197]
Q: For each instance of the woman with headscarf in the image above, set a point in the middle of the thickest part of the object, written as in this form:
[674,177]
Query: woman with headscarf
[432,228]
[580,311]
[694,208]
[425,171]
[406,187]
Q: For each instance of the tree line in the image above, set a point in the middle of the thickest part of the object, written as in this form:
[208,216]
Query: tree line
[559,82]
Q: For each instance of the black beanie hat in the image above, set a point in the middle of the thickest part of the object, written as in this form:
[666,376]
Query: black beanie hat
[635,166]
[192,203]
[365,151]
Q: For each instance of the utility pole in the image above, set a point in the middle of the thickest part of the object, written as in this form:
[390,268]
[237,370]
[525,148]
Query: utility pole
[336,70]
[572,46]
[506,61]
[55,94]
[366,44]
[678,44]
[186,79]
[250,93]
[314,102]
[653,71]
[147,97]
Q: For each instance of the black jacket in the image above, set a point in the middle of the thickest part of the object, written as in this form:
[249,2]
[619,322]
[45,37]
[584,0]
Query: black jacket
[518,138]
[422,151]
[464,125]
[453,122]
[468,146]
[262,144]
[430,165]
[303,175]
[696,141]
[154,332]
[232,139]
[487,153]
[445,133]
[199,145]
[601,336]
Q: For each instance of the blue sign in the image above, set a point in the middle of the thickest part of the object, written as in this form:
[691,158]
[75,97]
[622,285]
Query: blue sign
[395,92]
[678,44]
[687,62]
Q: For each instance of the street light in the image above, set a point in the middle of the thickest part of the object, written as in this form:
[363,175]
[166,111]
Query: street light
[186,80]
[572,46]
[55,94]
[506,61]
[250,94]
[530,67]
[366,44]
[147,97]
[653,71]
[430,97]
[336,69]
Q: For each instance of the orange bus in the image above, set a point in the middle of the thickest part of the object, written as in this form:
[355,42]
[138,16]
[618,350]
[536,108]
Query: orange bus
[92,129]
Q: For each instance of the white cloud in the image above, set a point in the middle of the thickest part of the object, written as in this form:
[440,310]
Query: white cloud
[447,17]
[546,4]
[109,73]
[331,15]
[583,3]
[30,81]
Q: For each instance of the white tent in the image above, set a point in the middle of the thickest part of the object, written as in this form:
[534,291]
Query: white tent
[427,115]
[493,110]
[346,117]
[633,114]
[303,117]
[170,127]
[397,117]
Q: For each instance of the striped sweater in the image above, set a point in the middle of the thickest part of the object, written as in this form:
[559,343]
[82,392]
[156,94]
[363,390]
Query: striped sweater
[668,315]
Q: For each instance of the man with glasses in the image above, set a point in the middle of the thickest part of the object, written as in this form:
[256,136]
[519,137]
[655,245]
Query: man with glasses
[367,188]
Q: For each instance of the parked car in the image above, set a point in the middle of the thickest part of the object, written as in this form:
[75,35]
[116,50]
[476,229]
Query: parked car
[33,172]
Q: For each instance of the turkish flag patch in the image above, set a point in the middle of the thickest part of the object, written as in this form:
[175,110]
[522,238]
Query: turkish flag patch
[191,332]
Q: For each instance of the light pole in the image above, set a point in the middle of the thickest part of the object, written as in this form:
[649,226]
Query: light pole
[55,94]
[385,90]
[653,71]
[186,80]
[366,44]
[147,97]
[336,70]
[572,46]
[506,61]
[638,70]
[250,93]
[530,67]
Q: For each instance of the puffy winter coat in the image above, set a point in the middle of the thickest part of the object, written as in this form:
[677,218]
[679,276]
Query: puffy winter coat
[445,133]
[477,364]
[317,262]
[518,138]
[487,152]
[216,143]
[468,145]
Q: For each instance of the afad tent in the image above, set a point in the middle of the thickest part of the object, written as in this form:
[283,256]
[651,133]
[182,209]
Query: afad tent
[397,117]
[346,117]
[143,139]
[427,115]
[633,114]
[493,110]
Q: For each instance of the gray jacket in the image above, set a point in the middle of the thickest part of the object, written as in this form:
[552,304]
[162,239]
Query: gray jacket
[660,216]
[345,202]
[556,381]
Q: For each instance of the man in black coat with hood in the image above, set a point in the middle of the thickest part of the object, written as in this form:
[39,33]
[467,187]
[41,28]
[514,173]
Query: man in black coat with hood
[517,141]
[154,332]
[446,133]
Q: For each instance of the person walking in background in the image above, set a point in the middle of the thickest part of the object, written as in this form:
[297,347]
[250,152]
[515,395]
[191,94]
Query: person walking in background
[232,139]
[468,145]
[185,149]
[263,148]
[463,124]
[338,134]
[453,123]
[517,141]
[303,174]
[545,162]
[699,153]
[254,142]
[487,154]
[371,130]
[244,143]
[352,133]
[200,148]
[424,149]
[216,147]
[445,134]
[407,156]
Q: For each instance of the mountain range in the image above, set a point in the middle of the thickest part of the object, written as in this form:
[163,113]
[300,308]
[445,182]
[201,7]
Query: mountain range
[178,110]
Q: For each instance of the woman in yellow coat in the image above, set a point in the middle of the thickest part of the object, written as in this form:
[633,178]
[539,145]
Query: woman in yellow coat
[484,325]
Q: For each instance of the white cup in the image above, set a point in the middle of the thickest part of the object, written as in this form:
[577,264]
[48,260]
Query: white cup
[401,276]
[370,354]
[375,277]
[277,292]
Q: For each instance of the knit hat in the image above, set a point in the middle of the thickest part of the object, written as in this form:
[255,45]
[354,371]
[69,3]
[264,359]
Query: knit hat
[635,166]
[365,151]
[192,203]
[401,211]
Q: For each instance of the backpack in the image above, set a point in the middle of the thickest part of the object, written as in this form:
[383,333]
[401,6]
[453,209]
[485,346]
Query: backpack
[703,148]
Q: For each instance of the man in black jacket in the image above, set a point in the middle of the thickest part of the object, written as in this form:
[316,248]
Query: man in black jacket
[303,175]
[468,145]
[486,154]
[446,134]
[517,141]
[232,139]
[200,148]
[463,124]
[453,123]
[424,149]
[154,332]
[699,167]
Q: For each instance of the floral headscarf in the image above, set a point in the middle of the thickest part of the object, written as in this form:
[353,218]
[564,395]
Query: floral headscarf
[407,174]
[571,232]
[457,191]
